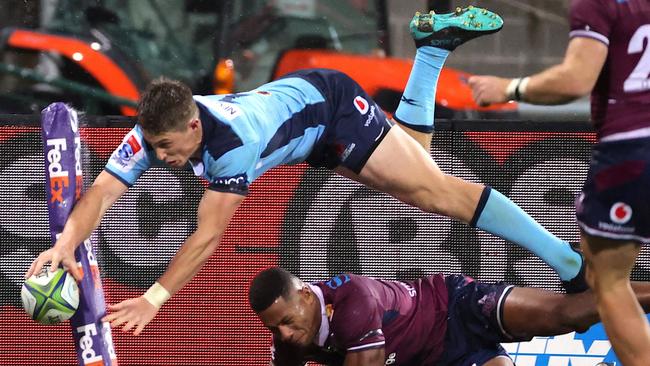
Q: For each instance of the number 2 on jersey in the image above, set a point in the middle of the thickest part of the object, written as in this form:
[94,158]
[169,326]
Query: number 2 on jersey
[638,79]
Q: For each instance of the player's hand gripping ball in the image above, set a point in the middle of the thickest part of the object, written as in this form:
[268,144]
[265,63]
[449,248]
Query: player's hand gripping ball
[50,297]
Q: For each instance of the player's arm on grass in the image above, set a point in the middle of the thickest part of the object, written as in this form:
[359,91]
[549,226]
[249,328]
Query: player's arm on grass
[370,357]
[84,218]
[215,211]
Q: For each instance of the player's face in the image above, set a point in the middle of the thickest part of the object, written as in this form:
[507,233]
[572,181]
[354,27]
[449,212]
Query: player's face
[296,320]
[176,147]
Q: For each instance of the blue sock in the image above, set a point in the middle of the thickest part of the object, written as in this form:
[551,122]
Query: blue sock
[500,216]
[418,102]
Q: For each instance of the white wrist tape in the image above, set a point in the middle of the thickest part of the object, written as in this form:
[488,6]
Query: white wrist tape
[157,295]
[511,89]
[520,91]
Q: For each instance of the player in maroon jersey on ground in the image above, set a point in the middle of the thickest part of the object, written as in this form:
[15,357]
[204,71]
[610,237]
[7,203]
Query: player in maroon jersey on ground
[436,320]
[608,55]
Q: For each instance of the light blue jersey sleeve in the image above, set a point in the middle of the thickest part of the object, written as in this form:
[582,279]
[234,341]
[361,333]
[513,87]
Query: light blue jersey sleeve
[234,171]
[130,159]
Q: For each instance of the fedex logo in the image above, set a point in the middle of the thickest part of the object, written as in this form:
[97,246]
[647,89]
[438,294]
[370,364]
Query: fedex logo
[79,179]
[572,349]
[108,341]
[58,176]
[88,354]
[569,349]
[92,263]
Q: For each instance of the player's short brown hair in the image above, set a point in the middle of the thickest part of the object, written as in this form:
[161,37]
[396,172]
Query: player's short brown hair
[166,105]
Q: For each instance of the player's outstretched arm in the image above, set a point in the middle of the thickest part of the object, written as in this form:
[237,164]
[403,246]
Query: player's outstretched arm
[559,84]
[371,357]
[84,218]
[215,211]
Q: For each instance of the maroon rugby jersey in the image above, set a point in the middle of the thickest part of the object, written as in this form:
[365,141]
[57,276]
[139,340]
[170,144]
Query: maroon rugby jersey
[408,319]
[620,101]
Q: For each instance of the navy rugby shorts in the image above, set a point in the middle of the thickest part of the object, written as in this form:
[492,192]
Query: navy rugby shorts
[615,200]
[474,322]
[356,125]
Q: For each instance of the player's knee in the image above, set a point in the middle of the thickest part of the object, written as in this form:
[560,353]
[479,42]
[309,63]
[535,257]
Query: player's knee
[589,276]
[603,279]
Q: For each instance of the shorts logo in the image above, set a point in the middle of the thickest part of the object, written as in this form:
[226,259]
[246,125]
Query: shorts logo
[371,116]
[361,105]
[347,151]
[620,213]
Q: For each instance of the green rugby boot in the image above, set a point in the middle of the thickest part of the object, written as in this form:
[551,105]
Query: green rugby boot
[450,30]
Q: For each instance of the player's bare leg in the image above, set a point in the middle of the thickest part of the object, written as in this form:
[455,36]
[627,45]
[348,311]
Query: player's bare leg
[422,138]
[435,36]
[609,264]
[532,312]
[400,167]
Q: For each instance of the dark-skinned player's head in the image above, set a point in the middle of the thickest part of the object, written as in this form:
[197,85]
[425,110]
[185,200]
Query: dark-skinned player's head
[169,118]
[286,306]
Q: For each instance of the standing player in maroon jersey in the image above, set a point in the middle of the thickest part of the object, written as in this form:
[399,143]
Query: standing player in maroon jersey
[609,56]
[436,320]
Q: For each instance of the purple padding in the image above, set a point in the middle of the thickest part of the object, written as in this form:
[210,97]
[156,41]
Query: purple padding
[64,183]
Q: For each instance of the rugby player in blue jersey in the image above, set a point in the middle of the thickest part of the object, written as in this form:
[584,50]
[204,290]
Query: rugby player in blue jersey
[608,56]
[319,116]
[437,320]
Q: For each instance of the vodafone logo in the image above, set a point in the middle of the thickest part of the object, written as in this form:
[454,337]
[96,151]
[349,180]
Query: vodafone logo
[361,105]
[620,213]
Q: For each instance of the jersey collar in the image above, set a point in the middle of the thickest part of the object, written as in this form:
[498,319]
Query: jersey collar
[208,130]
[197,167]
[324,330]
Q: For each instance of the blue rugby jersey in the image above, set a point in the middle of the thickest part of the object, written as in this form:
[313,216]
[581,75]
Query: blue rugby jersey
[244,135]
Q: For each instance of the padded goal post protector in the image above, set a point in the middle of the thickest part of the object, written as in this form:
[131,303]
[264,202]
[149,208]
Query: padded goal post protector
[63,186]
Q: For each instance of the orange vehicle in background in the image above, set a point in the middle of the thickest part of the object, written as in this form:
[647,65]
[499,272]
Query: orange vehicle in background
[99,55]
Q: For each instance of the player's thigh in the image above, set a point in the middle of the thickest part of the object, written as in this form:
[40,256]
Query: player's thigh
[423,138]
[400,167]
[613,210]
